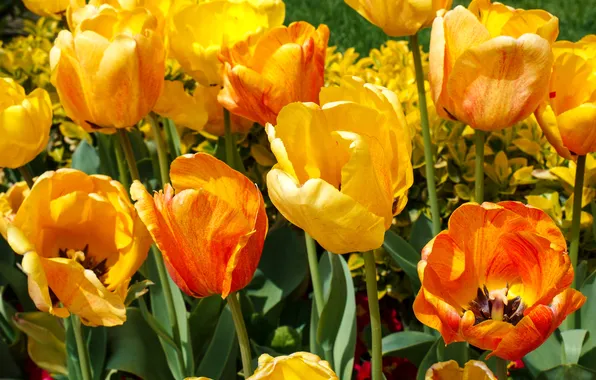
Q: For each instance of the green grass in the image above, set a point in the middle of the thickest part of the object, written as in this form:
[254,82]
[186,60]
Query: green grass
[349,29]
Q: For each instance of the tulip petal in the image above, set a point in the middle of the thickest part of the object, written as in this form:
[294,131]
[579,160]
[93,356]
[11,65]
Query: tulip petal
[501,81]
[450,370]
[335,220]
[38,285]
[578,129]
[439,315]
[550,127]
[565,303]
[485,335]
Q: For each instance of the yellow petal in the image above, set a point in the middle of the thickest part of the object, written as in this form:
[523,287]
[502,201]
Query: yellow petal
[299,365]
[578,129]
[550,127]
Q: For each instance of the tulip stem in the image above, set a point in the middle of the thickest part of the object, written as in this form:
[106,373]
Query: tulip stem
[501,369]
[82,351]
[162,151]
[370,270]
[129,154]
[577,212]
[479,170]
[428,152]
[27,175]
[243,340]
[315,276]
[121,161]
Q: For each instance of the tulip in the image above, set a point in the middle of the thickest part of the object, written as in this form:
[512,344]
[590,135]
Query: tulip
[210,226]
[399,18]
[498,278]
[198,31]
[263,74]
[450,370]
[490,64]
[215,122]
[47,8]
[10,202]
[184,109]
[81,242]
[568,116]
[274,9]
[25,122]
[109,71]
[299,365]
[343,168]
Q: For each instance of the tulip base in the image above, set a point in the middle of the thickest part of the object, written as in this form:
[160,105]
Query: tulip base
[243,340]
[370,269]
[501,369]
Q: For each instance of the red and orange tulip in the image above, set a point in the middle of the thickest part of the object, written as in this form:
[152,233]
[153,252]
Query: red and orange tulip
[264,73]
[490,64]
[210,226]
[498,278]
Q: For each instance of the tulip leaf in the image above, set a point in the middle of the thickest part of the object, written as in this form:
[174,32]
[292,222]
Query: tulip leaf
[547,356]
[282,268]
[412,345]
[404,255]
[430,358]
[85,158]
[459,351]
[335,302]
[97,342]
[9,369]
[72,355]
[105,150]
[573,340]
[568,371]
[136,290]
[172,137]
[422,232]
[345,342]
[134,348]
[586,317]
[202,322]
[222,349]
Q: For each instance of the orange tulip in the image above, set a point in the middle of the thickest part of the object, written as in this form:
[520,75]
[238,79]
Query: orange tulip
[498,278]
[490,64]
[210,226]
[267,72]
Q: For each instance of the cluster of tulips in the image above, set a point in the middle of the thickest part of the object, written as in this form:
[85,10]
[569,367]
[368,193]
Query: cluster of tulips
[499,277]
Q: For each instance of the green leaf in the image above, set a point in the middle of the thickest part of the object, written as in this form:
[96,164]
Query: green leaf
[566,371]
[137,290]
[97,342]
[134,348]
[202,322]
[547,356]
[459,351]
[9,369]
[173,137]
[430,358]
[404,255]
[573,340]
[86,158]
[105,148]
[586,321]
[422,233]
[223,345]
[345,342]
[13,277]
[412,345]
[335,303]
[283,267]
[72,356]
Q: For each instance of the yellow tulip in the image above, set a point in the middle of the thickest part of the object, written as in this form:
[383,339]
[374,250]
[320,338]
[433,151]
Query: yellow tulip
[82,240]
[490,64]
[198,31]
[399,17]
[473,370]
[109,71]
[184,109]
[343,168]
[568,117]
[275,9]
[10,203]
[25,122]
[47,8]
[297,366]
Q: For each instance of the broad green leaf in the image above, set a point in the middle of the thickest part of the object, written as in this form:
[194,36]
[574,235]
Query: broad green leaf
[547,356]
[86,158]
[222,346]
[97,341]
[335,303]
[458,351]
[412,345]
[567,371]
[9,368]
[202,322]
[105,148]
[314,346]
[586,317]
[404,255]
[72,356]
[283,267]
[133,347]
[430,358]
[421,233]
[573,340]
[345,342]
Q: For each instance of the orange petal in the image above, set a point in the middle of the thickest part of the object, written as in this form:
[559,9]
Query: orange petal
[486,334]
[438,315]
[565,303]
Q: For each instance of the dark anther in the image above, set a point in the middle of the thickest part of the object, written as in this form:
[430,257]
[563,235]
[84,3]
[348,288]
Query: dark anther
[482,306]
[62,253]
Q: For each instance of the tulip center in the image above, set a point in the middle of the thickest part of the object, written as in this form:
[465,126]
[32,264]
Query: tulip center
[86,260]
[497,305]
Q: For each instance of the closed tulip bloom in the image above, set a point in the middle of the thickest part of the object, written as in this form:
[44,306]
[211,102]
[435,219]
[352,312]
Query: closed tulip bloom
[297,366]
[109,71]
[568,116]
[210,226]
[198,31]
[399,18]
[184,109]
[490,64]
[343,168]
[10,202]
[499,278]
[473,370]
[82,241]
[25,122]
[262,74]
[47,7]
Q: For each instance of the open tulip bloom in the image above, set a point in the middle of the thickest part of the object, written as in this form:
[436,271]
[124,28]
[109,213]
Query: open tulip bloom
[497,278]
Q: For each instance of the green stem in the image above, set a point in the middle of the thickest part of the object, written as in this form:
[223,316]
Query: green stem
[593,207]
[428,153]
[315,276]
[243,340]
[27,175]
[479,169]
[230,140]
[83,352]
[162,151]
[121,161]
[129,154]
[501,369]
[173,137]
[370,269]
[577,211]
